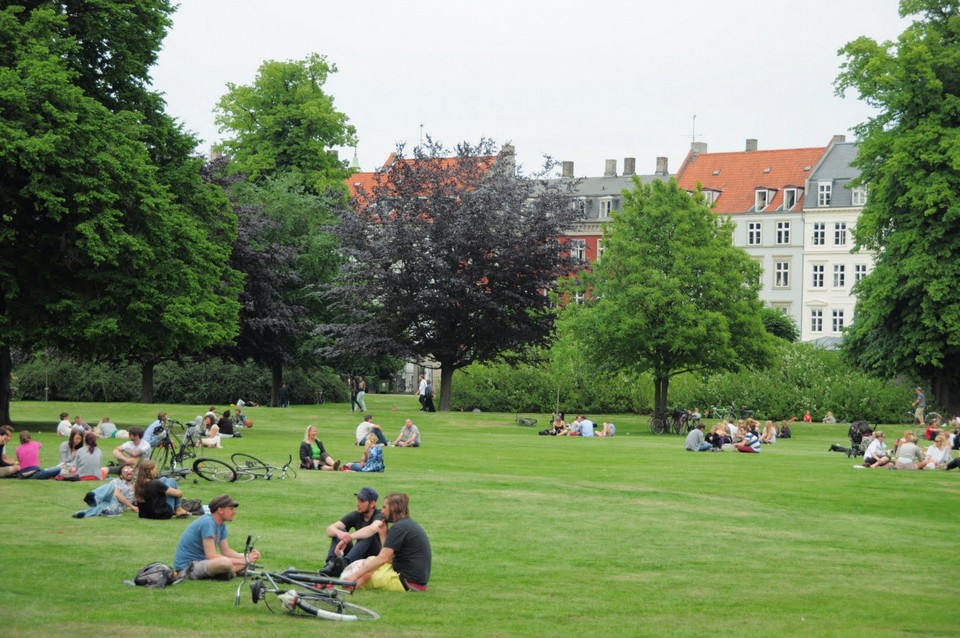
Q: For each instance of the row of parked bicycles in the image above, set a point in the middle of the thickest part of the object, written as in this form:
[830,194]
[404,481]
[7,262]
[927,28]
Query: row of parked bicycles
[680,420]
[177,453]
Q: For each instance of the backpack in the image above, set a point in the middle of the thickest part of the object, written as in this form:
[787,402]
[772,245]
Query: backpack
[155,575]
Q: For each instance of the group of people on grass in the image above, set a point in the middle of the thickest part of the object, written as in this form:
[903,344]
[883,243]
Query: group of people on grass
[314,455]
[581,426]
[378,549]
[746,436]
[907,454]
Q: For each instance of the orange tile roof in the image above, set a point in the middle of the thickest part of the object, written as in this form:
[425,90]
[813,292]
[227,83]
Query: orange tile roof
[366,181]
[736,176]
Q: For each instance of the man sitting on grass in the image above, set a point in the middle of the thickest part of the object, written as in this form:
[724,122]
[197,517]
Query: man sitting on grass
[197,557]
[696,442]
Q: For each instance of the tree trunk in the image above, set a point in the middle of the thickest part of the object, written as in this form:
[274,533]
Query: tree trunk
[276,380]
[940,388]
[446,385]
[146,381]
[6,369]
[660,388]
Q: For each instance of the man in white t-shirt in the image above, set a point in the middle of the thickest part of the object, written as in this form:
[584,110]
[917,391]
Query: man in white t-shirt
[422,393]
[134,450]
[64,427]
[367,426]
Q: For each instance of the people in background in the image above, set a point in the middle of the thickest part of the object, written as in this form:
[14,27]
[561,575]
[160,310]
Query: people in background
[134,450]
[876,454]
[829,418]
[8,467]
[409,435]
[113,498]
[806,417]
[769,434]
[608,429]
[372,460]
[366,427]
[64,427]
[696,441]
[157,497]
[90,460]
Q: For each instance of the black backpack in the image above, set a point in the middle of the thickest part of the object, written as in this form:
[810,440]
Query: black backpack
[155,575]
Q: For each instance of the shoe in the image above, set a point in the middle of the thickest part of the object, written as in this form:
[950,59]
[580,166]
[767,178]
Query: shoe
[327,568]
[859,467]
[182,513]
[90,499]
[77,514]
[336,465]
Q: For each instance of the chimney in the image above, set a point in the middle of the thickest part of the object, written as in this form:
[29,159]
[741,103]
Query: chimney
[611,170]
[662,166]
[751,145]
[507,159]
[629,166]
[698,148]
[838,139]
[216,152]
[567,169]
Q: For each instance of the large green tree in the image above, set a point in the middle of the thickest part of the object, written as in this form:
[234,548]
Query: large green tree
[907,320]
[281,128]
[671,293]
[101,245]
[284,122]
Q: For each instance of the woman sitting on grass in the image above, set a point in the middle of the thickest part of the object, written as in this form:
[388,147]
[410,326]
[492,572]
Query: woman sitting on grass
[313,456]
[211,432]
[90,460]
[157,498]
[28,456]
[937,457]
[769,433]
[372,460]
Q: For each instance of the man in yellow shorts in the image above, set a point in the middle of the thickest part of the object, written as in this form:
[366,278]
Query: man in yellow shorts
[404,562]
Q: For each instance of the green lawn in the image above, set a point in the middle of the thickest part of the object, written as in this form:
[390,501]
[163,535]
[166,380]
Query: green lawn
[532,536]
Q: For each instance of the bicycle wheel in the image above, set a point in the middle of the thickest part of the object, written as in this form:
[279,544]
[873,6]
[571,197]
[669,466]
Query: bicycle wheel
[907,418]
[332,607]
[678,425]
[162,456]
[250,465]
[658,425]
[286,472]
[214,470]
[931,417]
[243,475]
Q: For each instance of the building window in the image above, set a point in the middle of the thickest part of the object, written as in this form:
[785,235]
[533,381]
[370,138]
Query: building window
[753,233]
[859,196]
[710,196]
[838,321]
[783,232]
[816,321]
[579,206]
[762,198]
[578,248]
[840,233]
[819,234]
[839,275]
[817,276]
[606,207]
[859,272]
[790,197]
[781,271]
[824,193]
[599,249]
[578,297]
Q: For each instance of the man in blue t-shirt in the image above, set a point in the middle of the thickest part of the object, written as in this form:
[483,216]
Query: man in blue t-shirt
[197,557]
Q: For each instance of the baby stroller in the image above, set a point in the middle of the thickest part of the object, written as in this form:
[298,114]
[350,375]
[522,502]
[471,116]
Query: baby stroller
[861,435]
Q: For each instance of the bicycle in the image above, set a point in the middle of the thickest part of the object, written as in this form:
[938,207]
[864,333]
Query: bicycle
[909,418]
[302,591]
[249,467]
[171,451]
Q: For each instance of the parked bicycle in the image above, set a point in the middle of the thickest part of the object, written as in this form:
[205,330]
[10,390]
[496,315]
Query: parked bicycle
[173,452]
[249,467]
[302,592]
[674,421]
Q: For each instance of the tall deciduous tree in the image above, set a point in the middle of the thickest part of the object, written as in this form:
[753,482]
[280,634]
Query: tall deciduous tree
[449,258]
[671,293]
[285,121]
[907,319]
[98,254]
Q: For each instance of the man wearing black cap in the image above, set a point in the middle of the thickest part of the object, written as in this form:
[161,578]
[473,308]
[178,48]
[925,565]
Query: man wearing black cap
[367,521]
[197,557]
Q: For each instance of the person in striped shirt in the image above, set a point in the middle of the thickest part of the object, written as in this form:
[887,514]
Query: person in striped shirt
[751,440]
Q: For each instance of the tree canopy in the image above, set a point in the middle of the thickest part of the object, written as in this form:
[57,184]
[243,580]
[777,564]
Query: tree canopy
[105,245]
[448,257]
[906,318]
[670,294]
[285,121]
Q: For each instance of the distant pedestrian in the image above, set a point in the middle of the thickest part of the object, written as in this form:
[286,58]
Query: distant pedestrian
[283,396]
[428,398]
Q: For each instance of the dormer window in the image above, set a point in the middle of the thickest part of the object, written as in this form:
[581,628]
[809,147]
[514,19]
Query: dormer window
[710,195]
[606,206]
[762,198]
[579,206]
[858,196]
[790,198]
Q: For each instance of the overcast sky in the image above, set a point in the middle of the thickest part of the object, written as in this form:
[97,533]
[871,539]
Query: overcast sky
[574,80]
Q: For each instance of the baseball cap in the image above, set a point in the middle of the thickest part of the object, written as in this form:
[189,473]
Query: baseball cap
[367,494]
[222,501]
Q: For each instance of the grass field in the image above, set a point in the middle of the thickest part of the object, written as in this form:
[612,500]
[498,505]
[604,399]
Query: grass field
[531,536]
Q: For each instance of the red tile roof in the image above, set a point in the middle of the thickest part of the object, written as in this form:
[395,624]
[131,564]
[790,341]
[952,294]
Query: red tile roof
[737,176]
